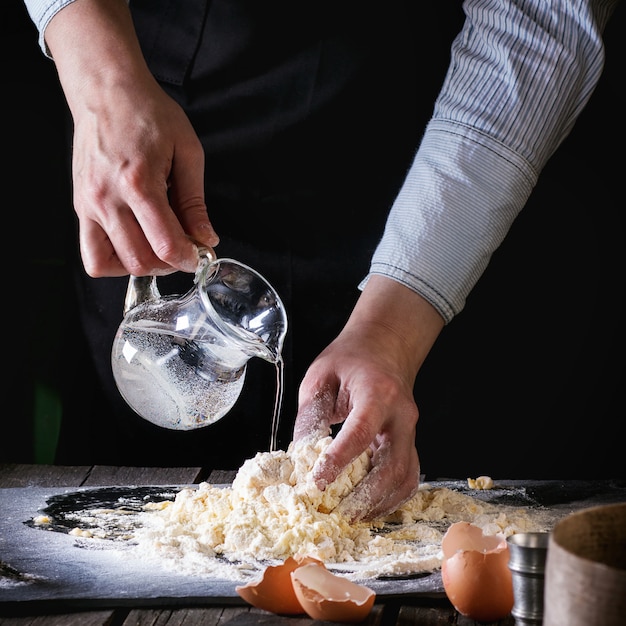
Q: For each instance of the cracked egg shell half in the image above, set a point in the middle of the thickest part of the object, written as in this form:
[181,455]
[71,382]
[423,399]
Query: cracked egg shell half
[475,572]
[274,591]
[326,596]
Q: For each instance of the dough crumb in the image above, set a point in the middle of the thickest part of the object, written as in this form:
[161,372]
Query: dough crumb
[482,482]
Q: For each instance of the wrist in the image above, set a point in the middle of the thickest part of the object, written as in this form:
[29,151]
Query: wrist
[94,46]
[406,322]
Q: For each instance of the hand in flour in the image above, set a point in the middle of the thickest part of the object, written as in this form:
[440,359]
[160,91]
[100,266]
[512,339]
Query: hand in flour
[364,380]
[138,164]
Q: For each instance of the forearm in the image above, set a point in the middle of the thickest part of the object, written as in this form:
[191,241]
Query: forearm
[507,103]
[95,48]
[398,318]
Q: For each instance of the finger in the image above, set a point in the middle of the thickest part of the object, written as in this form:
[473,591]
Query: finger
[315,416]
[386,487]
[186,194]
[97,251]
[118,248]
[356,435]
[160,228]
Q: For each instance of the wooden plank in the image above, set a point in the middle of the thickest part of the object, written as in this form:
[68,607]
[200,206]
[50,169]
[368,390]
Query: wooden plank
[221,477]
[186,616]
[84,618]
[21,475]
[234,616]
[466,621]
[109,475]
[441,614]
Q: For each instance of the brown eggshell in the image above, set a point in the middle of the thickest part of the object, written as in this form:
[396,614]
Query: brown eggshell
[475,572]
[274,592]
[326,596]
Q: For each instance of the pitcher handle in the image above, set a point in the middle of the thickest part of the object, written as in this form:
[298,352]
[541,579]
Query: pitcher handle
[144,288]
[140,289]
[207,256]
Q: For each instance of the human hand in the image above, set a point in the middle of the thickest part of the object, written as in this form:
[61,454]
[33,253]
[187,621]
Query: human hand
[351,383]
[138,175]
[364,381]
[138,165]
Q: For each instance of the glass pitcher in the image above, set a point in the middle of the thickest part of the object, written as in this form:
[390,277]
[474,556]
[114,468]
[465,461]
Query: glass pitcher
[180,361]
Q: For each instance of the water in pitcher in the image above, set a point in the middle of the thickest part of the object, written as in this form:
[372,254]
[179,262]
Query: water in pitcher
[168,378]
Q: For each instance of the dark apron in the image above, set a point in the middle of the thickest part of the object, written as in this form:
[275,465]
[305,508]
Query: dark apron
[309,114]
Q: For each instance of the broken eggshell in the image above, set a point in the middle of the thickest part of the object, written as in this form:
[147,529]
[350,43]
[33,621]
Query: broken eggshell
[274,591]
[475,572]
[326,596]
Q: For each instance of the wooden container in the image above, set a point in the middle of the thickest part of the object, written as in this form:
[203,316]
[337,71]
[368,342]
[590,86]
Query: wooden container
[586,569]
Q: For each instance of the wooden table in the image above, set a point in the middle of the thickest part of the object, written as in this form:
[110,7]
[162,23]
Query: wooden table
[386,612]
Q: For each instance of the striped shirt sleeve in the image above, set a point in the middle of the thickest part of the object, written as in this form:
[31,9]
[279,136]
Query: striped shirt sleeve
[41,12]
[521,72]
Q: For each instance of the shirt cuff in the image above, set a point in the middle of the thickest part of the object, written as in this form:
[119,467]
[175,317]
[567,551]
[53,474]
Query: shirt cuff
[41,12]
[456,205]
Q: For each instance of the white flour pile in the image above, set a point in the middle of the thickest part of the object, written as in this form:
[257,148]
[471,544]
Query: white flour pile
[274,510]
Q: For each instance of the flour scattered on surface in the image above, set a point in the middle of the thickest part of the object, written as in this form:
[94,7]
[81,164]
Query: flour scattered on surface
[274,510]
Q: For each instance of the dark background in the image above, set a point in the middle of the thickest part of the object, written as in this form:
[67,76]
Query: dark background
[527,382]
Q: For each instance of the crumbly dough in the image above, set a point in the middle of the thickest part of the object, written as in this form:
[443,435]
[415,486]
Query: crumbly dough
[274,510]
[482,482]
[81,532]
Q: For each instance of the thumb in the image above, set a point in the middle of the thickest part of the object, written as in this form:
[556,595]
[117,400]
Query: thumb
[314,415]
